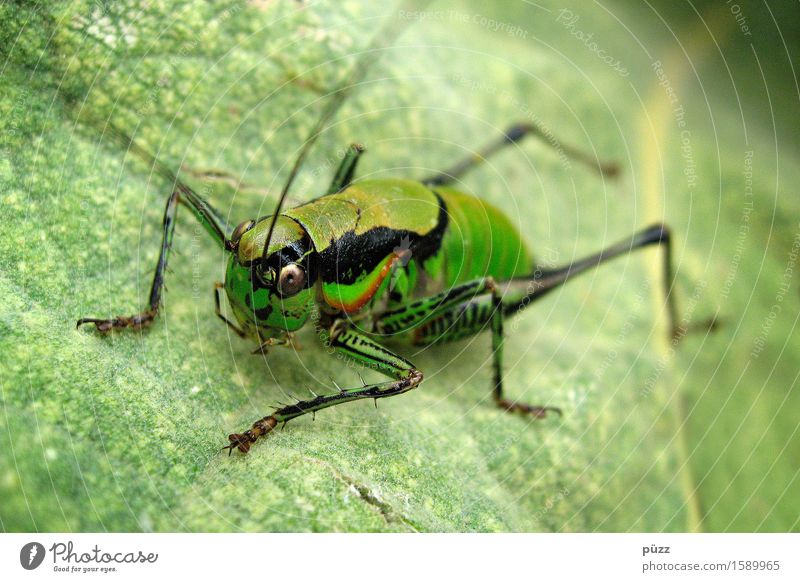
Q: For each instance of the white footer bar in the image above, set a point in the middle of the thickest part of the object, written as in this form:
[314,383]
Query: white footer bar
[405,557]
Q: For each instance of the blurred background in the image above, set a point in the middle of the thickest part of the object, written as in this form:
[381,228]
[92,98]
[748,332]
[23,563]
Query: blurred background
[697,103]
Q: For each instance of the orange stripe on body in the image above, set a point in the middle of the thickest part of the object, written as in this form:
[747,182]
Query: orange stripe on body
[369,292]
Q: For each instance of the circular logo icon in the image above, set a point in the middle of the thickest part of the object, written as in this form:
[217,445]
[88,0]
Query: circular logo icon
[31,555]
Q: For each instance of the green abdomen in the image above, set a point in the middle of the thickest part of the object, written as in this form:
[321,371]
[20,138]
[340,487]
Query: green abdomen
[480,241]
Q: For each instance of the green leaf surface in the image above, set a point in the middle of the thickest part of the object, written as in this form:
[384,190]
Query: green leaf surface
[123,432]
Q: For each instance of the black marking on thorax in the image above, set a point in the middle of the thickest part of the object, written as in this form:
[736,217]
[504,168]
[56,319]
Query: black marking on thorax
[348,257]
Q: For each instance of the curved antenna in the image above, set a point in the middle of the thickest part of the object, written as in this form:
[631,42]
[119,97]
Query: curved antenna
[384,38]
[206,213]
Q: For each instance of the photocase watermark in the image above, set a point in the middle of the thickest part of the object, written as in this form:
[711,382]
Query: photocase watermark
[512,30]
[66,558]
[403,252]
[569,20]
[549,257]
[31,555]
[549,503]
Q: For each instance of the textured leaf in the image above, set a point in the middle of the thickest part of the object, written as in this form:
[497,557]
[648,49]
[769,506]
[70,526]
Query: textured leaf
[123,432]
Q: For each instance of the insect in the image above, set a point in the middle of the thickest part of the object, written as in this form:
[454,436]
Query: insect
[371,259]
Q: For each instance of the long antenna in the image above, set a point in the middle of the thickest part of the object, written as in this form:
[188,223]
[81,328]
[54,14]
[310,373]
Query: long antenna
[212,219]
[384,38]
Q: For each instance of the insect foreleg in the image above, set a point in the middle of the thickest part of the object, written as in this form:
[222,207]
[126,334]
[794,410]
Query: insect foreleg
[362,350]
[347,169]
[210,220]
[512,135]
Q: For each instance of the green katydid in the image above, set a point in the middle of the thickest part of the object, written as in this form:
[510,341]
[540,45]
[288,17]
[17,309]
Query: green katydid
[418,260]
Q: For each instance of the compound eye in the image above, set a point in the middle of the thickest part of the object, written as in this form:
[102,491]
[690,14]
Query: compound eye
[291,280]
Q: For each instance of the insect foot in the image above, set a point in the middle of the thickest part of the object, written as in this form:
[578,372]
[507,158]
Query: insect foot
[527,409]
[244,440]
[137,321]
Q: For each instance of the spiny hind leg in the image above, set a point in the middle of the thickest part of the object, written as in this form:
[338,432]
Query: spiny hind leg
[511,136]
[521,292]
[359,348]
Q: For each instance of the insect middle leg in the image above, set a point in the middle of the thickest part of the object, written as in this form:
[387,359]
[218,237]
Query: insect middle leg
[347,169]
[470,317]
[363,350]
[473,307]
